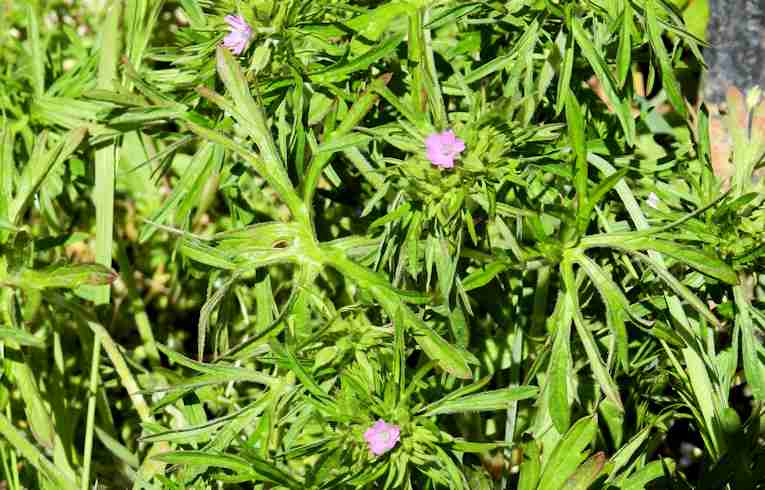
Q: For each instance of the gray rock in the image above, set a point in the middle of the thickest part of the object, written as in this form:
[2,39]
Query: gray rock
[736,33]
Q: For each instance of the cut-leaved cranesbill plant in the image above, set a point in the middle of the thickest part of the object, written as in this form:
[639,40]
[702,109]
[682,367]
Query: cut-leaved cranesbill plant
[417,244]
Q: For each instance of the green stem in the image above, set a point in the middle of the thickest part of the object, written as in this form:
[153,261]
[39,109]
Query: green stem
[138,307]
[13,471]
[516,355]
[419,100]
[85,481]
[541,294]
[123,371]
[106,158]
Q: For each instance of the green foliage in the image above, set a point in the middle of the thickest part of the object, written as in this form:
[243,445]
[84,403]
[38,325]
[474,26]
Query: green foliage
[219,270]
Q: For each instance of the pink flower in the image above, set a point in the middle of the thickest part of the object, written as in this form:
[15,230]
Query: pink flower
[382,437]
[443,148]
[240,34]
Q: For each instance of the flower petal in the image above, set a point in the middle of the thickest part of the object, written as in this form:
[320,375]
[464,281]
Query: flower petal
[440,159]
[653,200]
[433,142]
[442,148]
[236,22]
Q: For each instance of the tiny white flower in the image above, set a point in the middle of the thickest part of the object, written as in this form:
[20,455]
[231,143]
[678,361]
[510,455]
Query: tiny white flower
[653,200]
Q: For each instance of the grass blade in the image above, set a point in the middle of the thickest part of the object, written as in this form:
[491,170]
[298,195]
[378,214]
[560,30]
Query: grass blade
[34,456]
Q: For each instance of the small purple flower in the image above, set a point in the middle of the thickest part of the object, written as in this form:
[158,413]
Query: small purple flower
[443,148]
[382,437]
[240,34]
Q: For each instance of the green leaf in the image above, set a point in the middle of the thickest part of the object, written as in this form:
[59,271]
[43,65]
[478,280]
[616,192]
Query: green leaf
[594,197]
[637,241]
[250,114]
[254,468]
[599,369]
[445,269]
[451,15]
[37,51]
[454,360]
[21,338]
[450,358]
[34,456]
[413,243]
[624,51]
[696,17]
[121,452]
[587,473]
[357,112]
[560,371]
[205,254]
[568,454]
[456,477]
[107,156]
[344,142]
[373,23]
[7,173]
[38,168]
[229,431]
[304,376]
[37,414]
[69,276]
[565,71]
[187,190]
[527,40]
[648,473]
[677,287]
[531,467]
[486,401]
[392,216]
[458,393]
[578,139]
[476,447]
[620,105]
[752,352]
[214,299]
[617,305]
[343,70]
[704,392]
[194,12]
[222,370]
[192,434]
[624,454]
[668,79]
